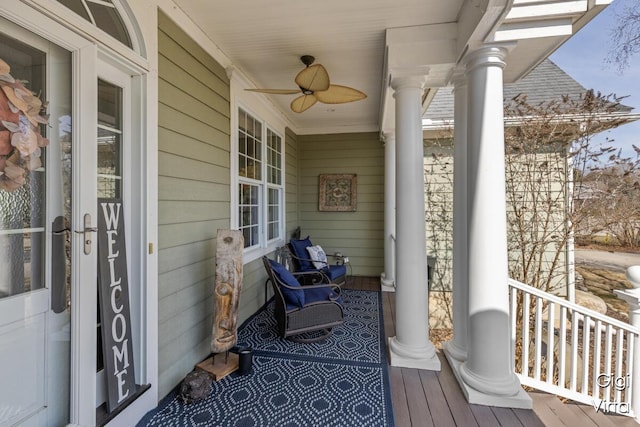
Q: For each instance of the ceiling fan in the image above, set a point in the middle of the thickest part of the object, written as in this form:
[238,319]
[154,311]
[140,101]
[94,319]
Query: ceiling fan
[313,82]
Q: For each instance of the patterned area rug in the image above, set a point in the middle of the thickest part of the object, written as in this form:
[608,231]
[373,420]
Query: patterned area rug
[342,381]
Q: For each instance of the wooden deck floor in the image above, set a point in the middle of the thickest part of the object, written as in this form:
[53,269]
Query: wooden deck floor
[428,398]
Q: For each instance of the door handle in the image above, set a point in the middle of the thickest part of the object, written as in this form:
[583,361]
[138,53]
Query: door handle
[58,266]
[86,232]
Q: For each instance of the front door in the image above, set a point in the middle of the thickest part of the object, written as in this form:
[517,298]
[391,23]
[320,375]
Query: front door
[46,257]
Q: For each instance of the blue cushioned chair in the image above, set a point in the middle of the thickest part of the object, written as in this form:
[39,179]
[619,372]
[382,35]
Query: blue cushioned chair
[335,273]
[303,309]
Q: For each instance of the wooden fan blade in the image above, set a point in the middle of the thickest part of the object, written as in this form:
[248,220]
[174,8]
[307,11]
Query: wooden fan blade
[303,103]
[313,78]
[276,91]
[337,94]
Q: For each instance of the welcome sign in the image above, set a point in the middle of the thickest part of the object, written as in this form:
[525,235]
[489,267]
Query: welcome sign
[113,294]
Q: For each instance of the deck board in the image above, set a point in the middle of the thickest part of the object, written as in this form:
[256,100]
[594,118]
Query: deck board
[399,398]
[484,416]
[418,405]
[506,417]
[460,409]
[528,418]
[440,412]
[605,420]
[428,398]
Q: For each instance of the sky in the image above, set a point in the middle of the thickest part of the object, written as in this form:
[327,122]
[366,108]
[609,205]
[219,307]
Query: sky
[583,58]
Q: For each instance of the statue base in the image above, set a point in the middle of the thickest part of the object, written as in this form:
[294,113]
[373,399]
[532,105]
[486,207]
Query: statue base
[220,366]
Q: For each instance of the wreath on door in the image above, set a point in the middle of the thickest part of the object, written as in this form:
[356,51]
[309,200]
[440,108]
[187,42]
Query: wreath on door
[21,114]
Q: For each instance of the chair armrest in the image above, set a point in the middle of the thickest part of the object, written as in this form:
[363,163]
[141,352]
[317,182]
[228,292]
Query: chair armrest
[314,277]
[336,289]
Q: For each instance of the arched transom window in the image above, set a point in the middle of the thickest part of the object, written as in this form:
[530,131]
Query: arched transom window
[103,14]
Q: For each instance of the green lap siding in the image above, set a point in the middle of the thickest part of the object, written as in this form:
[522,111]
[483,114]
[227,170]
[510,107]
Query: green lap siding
[194,185]
[357,234]
[193,197]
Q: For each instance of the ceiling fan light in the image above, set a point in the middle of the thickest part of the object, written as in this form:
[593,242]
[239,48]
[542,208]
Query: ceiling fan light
[313,78]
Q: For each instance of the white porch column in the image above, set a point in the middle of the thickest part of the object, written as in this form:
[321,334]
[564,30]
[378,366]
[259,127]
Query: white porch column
[457,347]
[488,375]
[411,347]
[388,278]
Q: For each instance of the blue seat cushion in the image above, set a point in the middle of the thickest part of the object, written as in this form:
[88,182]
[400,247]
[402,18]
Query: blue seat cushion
[321,294]
[335,271]
[293,297]
[299,248]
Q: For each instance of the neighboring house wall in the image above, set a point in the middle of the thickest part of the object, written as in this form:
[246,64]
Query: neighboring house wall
[438,188]
[356,234]
[538,186]
[537,218]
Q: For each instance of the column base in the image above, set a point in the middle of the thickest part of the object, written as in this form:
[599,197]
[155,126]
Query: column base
[387,285]
[520,400]
[403,356]
[452,350]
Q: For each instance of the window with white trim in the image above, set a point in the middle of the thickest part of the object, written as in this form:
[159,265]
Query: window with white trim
[260,182]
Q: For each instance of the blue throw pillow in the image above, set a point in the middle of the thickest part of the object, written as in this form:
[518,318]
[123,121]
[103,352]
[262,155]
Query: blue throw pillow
[299,248]
[293,297]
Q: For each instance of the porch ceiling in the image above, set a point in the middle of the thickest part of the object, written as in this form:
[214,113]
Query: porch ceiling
[265,39]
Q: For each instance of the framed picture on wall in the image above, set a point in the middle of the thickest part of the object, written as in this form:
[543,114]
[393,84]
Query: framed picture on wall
[338,193]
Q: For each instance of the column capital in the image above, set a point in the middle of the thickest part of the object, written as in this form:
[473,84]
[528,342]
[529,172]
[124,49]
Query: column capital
[488,55]
[407,81]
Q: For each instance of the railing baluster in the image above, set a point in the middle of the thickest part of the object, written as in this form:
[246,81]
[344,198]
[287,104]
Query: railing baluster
[628,392]
[550,340]
[514,321]
[574,350]
[607,362]
[538,340]
[596,357]
[586,340]
[619,358]
[525,334]
[563,347]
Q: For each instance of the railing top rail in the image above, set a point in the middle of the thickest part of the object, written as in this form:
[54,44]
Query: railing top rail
[573,306]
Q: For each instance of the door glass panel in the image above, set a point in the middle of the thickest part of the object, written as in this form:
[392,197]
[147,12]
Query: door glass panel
[22,177]
[109,140]
[35,213]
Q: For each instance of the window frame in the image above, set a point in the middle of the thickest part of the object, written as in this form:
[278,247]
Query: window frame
[264,245]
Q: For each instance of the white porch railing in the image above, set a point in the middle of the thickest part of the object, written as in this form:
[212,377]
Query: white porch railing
[571,351]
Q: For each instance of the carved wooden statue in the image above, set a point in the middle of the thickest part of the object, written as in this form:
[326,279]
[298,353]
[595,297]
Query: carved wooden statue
[226,294]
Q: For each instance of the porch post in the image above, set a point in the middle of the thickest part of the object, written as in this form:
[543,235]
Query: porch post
[457,347]
[411,347]
[488,373]
[387,278]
